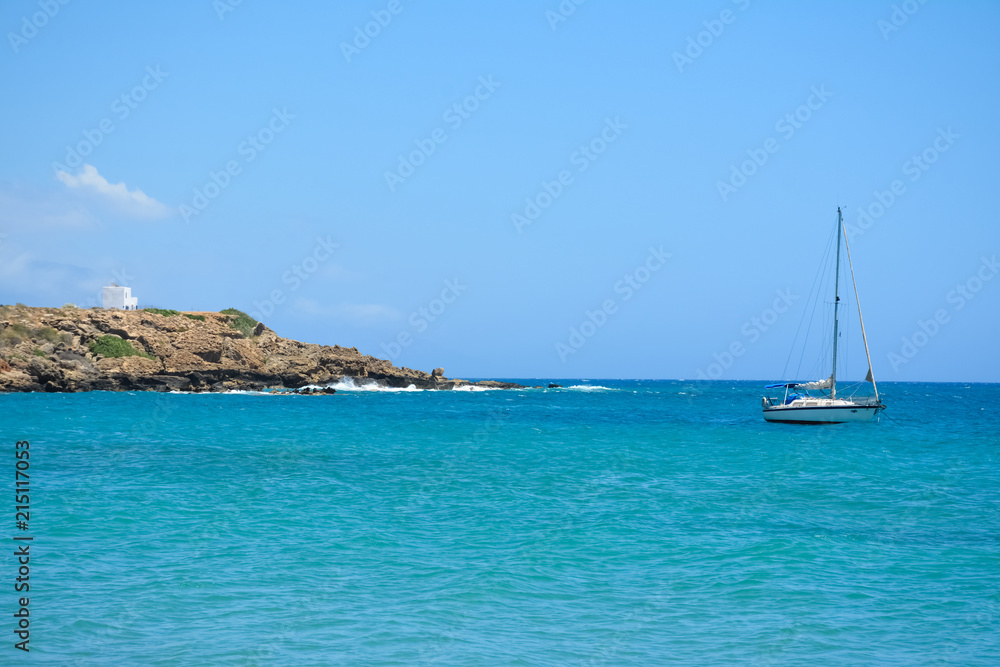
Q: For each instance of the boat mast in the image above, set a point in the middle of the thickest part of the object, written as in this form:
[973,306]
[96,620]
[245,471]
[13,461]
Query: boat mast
[836,306]
[864,336]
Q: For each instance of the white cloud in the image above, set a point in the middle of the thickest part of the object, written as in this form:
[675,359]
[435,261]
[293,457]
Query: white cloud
[131,202]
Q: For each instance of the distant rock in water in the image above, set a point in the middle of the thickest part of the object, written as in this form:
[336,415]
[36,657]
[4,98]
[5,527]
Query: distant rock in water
[69,349]
[553,385]
[310,391]
[492,384]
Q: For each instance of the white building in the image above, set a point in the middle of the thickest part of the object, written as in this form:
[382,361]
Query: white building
[119,298]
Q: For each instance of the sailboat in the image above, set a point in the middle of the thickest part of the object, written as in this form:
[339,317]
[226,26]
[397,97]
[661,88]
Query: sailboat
[799,405]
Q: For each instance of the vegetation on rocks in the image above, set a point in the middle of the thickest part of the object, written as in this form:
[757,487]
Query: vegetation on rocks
[17,332]
[14,334]
[168,312]
[97,351]
[49,334]
[241,321]
[114,347]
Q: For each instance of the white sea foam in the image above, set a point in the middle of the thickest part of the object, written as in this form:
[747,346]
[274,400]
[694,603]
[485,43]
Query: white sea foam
[589,387]
[348,384]
[234,392]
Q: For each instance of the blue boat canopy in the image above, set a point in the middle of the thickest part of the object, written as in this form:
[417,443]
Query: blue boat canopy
[790,385]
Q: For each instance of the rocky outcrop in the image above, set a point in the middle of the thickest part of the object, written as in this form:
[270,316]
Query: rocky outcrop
[49,349]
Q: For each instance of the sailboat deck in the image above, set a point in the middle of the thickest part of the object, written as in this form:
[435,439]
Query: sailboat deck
[808,409]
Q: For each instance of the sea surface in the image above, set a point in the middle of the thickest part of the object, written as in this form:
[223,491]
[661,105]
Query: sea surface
[605,523]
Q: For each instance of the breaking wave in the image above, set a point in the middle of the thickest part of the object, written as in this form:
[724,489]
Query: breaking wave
[348,384]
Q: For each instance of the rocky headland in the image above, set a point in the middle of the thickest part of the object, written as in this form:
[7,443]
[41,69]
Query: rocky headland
[69,349]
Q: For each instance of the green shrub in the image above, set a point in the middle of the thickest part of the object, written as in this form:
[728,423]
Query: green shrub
[113,346]
[161,311]
[39,353]
[18,332]
[241,321]
[14,334]
[200,318]
[48,334]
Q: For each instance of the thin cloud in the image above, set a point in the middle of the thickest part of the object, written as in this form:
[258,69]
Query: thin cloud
[26,277]
[26,208]
[130,202]
[357,314]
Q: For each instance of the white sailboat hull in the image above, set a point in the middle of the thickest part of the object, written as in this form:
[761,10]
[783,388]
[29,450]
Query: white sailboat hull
[796,408]
[831,414]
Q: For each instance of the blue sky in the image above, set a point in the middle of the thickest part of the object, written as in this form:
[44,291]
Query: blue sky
[476,181]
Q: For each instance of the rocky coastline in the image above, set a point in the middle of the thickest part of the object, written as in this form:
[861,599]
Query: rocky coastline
[74,350]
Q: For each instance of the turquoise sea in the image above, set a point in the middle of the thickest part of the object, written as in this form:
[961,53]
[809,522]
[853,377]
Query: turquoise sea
[611,523]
